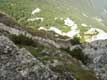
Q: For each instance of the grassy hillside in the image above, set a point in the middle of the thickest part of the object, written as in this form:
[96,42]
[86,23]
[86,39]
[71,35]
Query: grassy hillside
[22,9]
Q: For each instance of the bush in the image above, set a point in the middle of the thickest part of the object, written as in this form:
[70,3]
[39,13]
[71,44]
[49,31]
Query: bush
[78,54]
[75,40]
[23,40]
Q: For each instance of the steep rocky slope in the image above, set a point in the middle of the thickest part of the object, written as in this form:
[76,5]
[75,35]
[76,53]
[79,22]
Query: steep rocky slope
[39,55]
[19,64]
[97,51]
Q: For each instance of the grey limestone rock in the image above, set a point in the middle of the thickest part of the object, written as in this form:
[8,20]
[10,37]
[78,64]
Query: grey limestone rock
[19,64]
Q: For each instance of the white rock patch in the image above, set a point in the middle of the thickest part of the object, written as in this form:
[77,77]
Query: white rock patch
[97,19]
[35,19]
[100,36]
[69,22]
[84,25]
[70,34]
[56,30]
[42,28]
[74,27]
[37,10]
[85,15]
[73,33]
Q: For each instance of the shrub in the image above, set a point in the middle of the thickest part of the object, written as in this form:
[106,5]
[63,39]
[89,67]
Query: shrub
[75,40]
[22,40]
[78,54]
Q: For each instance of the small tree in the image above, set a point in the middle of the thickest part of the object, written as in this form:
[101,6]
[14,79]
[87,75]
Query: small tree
[78,54]
[22,40]
[75,40]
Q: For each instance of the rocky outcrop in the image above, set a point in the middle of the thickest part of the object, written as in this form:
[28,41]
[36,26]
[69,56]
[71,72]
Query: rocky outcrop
[97,52]
[49,62]
[10,26]
[19,64]
[42,37]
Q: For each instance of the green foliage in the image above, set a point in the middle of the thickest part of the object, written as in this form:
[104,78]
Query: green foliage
[68,63]
[35,51]
[78,54]
[75,40]
[21,11]
[22,40]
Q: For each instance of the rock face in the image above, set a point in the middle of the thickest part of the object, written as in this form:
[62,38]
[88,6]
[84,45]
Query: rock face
[43,37]
[48,60]
[19,64]
[97,52]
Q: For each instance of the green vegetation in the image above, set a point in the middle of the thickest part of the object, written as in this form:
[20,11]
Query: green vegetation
[50,9]
[78,54]
[77,71]
[47,55]
[34,50]
[75,40]
[23,40]
[68,63]
[26,41]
